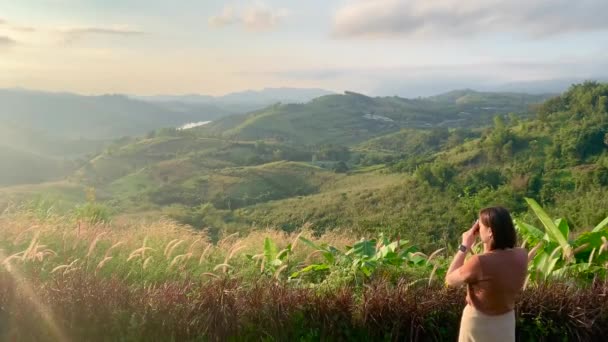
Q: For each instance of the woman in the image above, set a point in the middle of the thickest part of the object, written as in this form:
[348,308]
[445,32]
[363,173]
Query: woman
[494,278]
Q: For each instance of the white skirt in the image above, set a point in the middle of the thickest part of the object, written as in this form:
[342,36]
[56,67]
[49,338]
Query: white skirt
[479,327]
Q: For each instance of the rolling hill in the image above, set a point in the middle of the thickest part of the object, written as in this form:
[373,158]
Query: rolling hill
[39,131]
[352,118]
[418,167]
[175,160]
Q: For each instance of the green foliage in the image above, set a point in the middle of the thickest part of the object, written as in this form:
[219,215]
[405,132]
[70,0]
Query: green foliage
[92,212]
[556,254]
[483,177]
[500,142]
[583,107]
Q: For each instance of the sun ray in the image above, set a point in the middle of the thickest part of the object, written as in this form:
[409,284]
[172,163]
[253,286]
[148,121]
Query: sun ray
[27,290]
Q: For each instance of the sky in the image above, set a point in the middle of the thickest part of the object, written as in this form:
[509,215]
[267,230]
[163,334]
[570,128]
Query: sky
[214,47]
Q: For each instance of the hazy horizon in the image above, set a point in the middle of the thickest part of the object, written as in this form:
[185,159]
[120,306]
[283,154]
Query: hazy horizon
[422,89]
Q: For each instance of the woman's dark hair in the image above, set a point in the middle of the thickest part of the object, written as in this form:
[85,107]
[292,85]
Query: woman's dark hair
[500,222]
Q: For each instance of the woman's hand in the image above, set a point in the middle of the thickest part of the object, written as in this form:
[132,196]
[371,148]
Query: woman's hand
[469,237]
[459,272]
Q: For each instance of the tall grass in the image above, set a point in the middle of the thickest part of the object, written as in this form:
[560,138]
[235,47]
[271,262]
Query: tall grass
[146,252]
[159,281]
[93,308]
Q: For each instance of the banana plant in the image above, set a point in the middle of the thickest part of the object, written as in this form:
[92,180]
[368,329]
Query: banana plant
[365,256]
[332,256]
[368,255]
[556,253]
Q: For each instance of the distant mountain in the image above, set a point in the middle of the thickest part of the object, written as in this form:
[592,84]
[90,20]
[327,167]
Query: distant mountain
[33,156]
[71,116]
[40,142]
[273,95]
[244,101]
[504,101]
[554,86]
[187,98]
[431,86]
[42,133]
[352,118]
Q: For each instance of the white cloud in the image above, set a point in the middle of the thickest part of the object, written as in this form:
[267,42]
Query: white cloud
[77,33]
[17,28]
[460,18]
[258,17]
[26,33]
[25,29]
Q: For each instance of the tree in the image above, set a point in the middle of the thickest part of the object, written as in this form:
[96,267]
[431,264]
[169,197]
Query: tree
[341,167]
[550,106]
[499,141]
[513,119]
[436,174]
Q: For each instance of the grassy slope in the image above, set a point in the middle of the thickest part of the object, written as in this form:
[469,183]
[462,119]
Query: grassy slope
[132,157]
[190,170]
[363,203]
[226,188]
[240,179]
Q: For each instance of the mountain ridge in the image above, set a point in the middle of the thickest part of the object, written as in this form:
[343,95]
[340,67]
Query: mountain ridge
[352,117]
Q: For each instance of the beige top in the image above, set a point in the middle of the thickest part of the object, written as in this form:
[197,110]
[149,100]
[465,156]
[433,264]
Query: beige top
[497,280]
